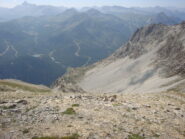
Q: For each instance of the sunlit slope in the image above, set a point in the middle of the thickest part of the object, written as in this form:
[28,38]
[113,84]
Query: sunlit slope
[152,61]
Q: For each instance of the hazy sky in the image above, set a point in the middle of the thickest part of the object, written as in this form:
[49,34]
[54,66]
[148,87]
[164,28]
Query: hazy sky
[81,3]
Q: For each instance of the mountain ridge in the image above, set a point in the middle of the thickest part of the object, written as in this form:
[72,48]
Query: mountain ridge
[61,40]
[153,60]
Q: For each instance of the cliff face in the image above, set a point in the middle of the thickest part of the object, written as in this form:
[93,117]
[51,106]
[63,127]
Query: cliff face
[153,60]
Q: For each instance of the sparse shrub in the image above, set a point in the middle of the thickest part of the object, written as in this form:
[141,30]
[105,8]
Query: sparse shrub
[135,136]
[69,111]
[116,104]
[45,138]
[8,107]
[73,136]
[25,131]
[75,105]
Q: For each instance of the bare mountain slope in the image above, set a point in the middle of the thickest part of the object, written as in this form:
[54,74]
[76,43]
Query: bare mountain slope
[152,61]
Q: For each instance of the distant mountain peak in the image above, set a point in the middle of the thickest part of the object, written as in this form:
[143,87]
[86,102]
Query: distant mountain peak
[25,3]
[93,11]
[70,11]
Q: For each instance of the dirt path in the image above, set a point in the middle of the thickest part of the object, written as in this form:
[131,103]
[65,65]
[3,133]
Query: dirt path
[88,61]
[8,47]
[53,58]
[77,44]
[77,53]
[6,50]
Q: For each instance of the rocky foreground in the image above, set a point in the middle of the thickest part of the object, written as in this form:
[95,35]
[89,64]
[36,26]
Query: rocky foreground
[26,115]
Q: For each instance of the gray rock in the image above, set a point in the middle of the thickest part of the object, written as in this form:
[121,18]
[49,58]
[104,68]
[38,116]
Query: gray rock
[24,102]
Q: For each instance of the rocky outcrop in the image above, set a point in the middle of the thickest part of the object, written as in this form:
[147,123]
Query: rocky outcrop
[68,82]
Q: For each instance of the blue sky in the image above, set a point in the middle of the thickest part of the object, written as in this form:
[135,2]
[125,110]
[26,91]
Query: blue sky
[82,3]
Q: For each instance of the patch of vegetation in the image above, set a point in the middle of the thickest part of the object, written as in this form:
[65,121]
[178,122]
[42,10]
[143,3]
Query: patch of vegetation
[46,138]
[116,104]
[25,131]
[135,136]
[23,86]
[75,105]
[8,107]
[69,111]
[73,136]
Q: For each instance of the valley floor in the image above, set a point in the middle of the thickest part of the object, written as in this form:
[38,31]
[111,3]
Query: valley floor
[24,115]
